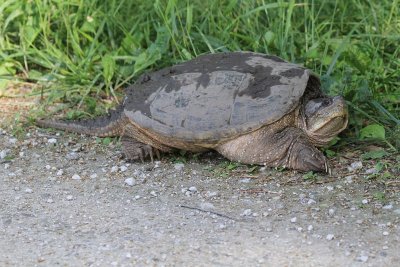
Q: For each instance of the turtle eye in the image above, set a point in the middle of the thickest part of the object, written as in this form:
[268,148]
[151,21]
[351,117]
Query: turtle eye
[326,102]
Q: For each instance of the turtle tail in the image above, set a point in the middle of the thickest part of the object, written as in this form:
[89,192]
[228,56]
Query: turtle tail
[108,125]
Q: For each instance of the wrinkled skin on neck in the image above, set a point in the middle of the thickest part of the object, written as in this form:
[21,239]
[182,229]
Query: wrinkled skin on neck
[323,118]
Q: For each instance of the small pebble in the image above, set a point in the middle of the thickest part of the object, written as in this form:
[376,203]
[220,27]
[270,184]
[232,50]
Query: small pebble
[247,212]
[362,258]
[114,168]
[365,201]
[329,187]
[207,206]
[245,180]
[193,189]
[331,212]
[179,166]
[60,172]
[52,141]
[157,164]
[3,153]
[130,181]
[385,233]
[72,156]
[311,201]
[76,177]
[355,166]
[48,167]
[222,226]
[210,194]
[49,200]
[28,190]
[123,168]
[388,207]
[293,220]
[70,197]
[93,176]
[330,237]
[153,193]
[349,179]
[385,247]
[371,171]
[310,228]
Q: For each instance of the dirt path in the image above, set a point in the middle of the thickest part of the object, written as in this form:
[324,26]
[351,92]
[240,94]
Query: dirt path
[72,201]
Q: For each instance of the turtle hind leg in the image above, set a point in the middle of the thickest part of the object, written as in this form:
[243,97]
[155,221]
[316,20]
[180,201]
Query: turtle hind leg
[134,150]
[288,147]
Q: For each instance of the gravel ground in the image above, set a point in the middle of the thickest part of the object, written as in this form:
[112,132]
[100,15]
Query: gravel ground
[68,200]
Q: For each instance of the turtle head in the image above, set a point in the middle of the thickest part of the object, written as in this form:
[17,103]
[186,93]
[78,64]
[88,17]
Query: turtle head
[323,118]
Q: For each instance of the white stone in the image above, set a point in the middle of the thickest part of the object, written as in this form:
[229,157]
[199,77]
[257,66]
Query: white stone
[3,153]
[293,220]
[355,166]
[363,258]
[130,181]
[388,207]
[76,177]
[365,201]
[206,206]
[247,212]
[193,189]
[123,168]
[385,233]
[60,172]
[93,176]
[114,168]
[52,141]
[311,201]
[28,190]
[331,212]
[179,166]
[330,237]
[371,171]
[210,194]
[349,179]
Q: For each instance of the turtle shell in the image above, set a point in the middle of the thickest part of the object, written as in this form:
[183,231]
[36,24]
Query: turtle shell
[216,96]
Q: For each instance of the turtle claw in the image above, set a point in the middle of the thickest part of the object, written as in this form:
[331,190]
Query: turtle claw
[134,150]
[306,157]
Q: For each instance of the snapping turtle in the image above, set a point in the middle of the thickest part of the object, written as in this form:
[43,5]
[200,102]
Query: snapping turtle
[250,107]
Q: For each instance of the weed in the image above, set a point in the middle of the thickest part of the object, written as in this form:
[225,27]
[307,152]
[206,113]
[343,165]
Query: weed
[310,176]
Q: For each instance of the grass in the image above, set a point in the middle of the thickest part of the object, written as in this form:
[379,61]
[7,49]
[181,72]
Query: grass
[83,53]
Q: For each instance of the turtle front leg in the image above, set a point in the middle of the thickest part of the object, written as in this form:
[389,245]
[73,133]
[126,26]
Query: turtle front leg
[134,150]
[288,147]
